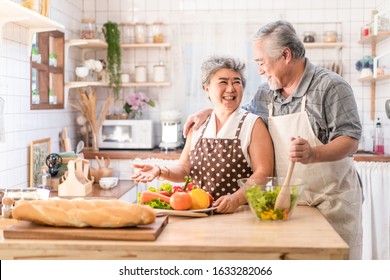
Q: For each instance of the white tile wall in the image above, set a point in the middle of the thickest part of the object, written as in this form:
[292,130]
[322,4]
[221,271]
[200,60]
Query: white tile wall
[23,126]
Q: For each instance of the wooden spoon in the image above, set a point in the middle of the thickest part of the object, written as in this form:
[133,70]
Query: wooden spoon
[98,162]
[283,200]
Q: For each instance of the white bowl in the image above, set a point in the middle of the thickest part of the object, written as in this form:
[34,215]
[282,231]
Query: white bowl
[81,71]
[108,182]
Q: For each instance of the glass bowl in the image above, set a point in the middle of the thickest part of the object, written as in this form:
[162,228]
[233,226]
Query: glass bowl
[261,194]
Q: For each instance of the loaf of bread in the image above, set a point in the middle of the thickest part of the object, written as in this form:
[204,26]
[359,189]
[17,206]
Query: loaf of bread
[84,213]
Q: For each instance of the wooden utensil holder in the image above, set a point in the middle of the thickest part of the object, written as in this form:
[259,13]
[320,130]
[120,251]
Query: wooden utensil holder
[77,182]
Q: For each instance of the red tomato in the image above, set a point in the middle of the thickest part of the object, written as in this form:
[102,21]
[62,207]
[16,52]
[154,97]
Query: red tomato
[180,201]
[177,189]
[211,199]
[190,186]
[164,193]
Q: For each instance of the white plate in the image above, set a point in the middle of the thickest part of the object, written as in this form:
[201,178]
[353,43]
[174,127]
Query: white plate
[205,210]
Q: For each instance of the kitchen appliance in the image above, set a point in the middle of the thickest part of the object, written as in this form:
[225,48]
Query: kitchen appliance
[170,130]
[126,134]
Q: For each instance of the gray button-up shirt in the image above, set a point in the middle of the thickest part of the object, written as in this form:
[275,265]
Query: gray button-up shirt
[330,103]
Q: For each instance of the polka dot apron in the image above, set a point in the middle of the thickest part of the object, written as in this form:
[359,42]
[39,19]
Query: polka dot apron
[217,163]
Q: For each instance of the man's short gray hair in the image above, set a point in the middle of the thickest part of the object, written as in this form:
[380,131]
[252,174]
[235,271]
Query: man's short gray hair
[279,35]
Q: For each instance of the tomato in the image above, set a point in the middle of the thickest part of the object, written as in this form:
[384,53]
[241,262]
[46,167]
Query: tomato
[177,189]
[200,199]
[180,201]
[211,198]
[190,186]
[164,193]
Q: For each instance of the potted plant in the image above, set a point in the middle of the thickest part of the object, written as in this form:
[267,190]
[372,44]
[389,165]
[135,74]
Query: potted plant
[112,36]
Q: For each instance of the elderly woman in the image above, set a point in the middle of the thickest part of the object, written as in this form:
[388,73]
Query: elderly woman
[231,144]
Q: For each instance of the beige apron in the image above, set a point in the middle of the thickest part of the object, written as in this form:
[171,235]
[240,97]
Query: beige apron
[332,187]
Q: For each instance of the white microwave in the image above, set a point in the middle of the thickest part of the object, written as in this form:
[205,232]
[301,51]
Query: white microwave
[126,134]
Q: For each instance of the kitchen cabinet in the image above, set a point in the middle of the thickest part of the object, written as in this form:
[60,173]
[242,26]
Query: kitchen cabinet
[47,73]
[86,45]
[373,39]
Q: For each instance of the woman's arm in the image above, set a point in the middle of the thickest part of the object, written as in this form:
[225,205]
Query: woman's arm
[176,173]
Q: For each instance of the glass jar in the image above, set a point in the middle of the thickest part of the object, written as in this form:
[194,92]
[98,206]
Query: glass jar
[157,32]
[330,36]
[309,37]
[88,28]
[127,32]
[140,32]
[7,207]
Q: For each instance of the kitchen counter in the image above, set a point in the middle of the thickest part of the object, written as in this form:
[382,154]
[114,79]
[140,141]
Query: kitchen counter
[157,153]
[132,154]
[117,192]
[307,235]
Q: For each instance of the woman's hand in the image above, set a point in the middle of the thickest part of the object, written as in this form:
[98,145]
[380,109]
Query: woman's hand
[227,204]
[147,173]
[195,120]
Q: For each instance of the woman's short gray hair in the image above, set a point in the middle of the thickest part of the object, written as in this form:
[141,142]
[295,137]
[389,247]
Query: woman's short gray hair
[279,35]
[215,63]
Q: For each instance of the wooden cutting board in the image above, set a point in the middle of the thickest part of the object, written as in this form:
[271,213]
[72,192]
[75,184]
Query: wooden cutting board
[29,230]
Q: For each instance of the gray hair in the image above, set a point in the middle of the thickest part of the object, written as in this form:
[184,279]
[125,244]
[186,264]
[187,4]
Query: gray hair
[279,35]
[215,63]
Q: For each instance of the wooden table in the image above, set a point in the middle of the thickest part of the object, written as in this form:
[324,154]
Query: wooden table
[307,235]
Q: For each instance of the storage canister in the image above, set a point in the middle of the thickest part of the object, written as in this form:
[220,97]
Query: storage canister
[330,36]
[309,37]
[140,32]
[88,28]
[127,32]
[157,32]
[159,73]
[140,74]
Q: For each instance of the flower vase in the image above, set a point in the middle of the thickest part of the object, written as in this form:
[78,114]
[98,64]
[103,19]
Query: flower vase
[95,146]
[135,115]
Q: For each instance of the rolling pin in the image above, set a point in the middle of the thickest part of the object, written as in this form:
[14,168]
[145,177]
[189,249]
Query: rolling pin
[67,144]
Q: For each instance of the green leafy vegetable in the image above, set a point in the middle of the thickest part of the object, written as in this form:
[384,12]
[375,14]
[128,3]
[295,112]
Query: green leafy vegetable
[262,201]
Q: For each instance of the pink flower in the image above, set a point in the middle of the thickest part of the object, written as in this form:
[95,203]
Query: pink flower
[137,102]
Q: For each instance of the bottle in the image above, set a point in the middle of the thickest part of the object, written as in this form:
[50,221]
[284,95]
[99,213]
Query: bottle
[378,140]
[44,180]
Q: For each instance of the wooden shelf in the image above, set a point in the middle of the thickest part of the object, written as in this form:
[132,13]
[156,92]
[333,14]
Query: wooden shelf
[13,12]
[100,44]
[371,78]
[101,84]
[323,45]
[374,38]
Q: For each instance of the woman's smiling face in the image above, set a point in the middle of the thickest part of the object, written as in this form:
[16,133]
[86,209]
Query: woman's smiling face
[225,89]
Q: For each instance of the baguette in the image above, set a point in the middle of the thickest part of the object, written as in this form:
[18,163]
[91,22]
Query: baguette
[84,213]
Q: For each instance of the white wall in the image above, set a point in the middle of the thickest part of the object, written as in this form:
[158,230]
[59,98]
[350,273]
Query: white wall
[23,126]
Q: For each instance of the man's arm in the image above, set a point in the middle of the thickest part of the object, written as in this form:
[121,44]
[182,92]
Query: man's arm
[195,120]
